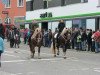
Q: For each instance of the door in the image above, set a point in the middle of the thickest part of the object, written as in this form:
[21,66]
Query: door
[44,25]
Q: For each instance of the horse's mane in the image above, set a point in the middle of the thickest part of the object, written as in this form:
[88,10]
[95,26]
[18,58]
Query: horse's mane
[64,31]
[37,30]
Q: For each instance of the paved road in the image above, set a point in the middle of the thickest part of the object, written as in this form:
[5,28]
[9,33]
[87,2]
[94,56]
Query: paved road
[16,61]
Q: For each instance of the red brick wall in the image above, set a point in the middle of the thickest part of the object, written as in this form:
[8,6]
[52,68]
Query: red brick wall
[13,11]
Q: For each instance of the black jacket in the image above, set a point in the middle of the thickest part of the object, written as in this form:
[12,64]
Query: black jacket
[84,37]
[61,26]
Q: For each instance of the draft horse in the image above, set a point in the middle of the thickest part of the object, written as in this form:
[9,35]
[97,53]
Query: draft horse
[61,41]
[36,41]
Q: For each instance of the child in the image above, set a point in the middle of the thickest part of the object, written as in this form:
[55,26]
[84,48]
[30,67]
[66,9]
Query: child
[1,47]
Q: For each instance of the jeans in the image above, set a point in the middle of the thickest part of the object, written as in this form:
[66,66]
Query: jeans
[96,46]
[49,43]
[79,47]
[93,46]
[83,45]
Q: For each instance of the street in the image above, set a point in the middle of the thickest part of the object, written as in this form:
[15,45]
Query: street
[16,61]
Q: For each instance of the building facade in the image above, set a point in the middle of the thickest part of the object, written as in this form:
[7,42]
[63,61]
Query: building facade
[75,13]
[12,11]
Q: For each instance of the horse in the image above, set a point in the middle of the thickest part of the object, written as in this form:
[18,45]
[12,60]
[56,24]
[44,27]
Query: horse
[62,40]
[36,41]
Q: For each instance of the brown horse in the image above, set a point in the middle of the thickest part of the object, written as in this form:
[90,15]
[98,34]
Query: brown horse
[62,41]
[36,41]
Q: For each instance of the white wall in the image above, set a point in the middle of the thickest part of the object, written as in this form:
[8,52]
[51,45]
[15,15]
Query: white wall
[73,9]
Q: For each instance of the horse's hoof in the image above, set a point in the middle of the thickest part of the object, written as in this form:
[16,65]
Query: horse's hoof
[39,58]
[64,57]
[32,56]
[57,53]
[54,55]
[16,52]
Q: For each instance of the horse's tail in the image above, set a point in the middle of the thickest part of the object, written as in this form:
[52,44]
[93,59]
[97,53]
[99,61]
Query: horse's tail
[53,47]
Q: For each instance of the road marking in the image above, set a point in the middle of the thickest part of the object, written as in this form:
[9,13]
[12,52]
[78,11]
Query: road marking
[73,69]
[11,55]
[49,59]
[5,73]
[82,69]
[31,73]
[19,73]
[97,70]
[9,51]
[14,61]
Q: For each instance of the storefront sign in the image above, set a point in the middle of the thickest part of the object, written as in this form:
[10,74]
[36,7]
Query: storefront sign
[4,12]
[45,15]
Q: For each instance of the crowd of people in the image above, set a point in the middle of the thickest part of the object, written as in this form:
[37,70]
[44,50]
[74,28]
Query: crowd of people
[13,35]
[81,39]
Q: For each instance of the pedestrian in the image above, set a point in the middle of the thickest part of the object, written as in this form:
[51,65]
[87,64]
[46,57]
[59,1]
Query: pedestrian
[1,47]
[89,40]
[49,37]
[11,35]
[84,40]
[25,35]
[2,31]
[97,41]
[78,42]
[93,42]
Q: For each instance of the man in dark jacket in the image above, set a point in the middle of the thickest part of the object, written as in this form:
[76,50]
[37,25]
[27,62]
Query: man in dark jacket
[61,26]
[11,35]
[89,40]
[83,39]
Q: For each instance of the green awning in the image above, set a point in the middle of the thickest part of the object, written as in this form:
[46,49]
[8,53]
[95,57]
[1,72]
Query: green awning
[62,17]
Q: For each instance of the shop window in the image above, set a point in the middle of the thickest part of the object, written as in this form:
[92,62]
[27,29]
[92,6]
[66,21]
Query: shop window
[84,1]
[20,3]
[8,4]
[63,2]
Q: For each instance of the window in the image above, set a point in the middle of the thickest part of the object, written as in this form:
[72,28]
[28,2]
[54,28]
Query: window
[63,2]
[45,4]
[29,6]
[84,1]
[20,3]
[98,2]
[8,4]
